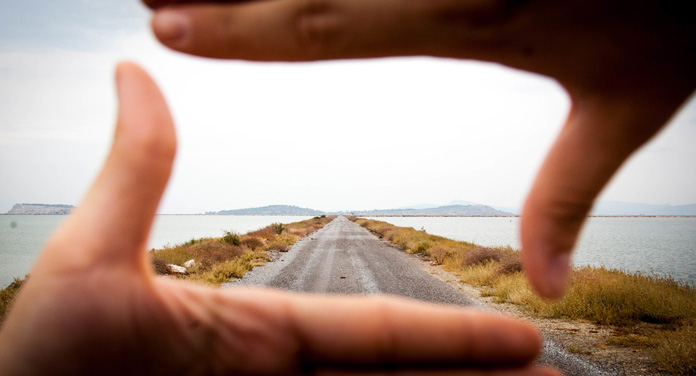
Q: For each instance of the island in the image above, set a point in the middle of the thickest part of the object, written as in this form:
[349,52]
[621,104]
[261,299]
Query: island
[40,209]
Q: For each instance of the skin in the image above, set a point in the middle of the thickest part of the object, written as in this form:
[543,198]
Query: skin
[93,306]
[627,66]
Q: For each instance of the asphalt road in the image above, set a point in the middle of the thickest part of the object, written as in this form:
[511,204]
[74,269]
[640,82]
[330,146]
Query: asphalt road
[344,258]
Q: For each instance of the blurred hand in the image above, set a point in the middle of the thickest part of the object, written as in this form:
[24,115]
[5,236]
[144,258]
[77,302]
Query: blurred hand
[93,306]
[627,65]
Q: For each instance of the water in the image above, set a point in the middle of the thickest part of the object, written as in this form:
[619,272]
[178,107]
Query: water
[660,245]
[21,242]
[665,246]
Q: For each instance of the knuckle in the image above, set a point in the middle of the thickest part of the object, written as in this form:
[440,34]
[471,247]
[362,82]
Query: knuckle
[567,212]
[316,26]
[387,343]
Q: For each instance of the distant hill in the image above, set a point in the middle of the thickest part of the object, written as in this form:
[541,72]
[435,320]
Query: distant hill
[463,210]
[40,209]
[270,210]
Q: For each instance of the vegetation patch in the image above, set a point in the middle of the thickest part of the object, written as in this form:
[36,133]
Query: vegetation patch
[600,295]
[218,260]
[676,352]
[8,294]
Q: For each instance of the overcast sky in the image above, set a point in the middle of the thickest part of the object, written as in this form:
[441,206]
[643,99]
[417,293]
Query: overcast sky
[329,136]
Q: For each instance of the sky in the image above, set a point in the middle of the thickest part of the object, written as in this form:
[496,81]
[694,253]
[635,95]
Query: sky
[341,135]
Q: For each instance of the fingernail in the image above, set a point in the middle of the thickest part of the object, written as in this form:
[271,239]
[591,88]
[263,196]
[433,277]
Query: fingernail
[170,26]
[558,272]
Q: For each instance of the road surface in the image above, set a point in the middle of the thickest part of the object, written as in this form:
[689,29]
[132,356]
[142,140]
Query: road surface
[344,258]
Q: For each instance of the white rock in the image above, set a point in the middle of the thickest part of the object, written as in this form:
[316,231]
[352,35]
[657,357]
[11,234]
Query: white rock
[190,263]
[176,269]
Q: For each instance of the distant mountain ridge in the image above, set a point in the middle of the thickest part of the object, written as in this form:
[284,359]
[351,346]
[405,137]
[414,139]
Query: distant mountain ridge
[461,210]
[271,210]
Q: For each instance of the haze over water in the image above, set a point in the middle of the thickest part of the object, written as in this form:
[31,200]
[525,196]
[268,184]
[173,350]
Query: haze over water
[659,245]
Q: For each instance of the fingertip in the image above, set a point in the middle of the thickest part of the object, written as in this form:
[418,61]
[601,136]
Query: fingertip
[124,71]
[558,272]
[546,259]
[171,27]
[548,273]
[143,111]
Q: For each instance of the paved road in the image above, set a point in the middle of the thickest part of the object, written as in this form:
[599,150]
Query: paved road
[344,258]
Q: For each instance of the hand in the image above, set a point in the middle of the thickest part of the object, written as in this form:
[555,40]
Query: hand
[627,65]
[93,306]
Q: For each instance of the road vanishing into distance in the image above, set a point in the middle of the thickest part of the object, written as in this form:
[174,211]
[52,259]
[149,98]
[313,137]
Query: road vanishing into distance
[344,258]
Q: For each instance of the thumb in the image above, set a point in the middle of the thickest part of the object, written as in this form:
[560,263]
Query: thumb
[601,133]
[113,222]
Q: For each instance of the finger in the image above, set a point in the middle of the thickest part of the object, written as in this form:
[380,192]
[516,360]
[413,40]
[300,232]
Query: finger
[601,133]
[261,331]
[396,333]
[534,371]
[282,30]
[113,221]
[154,4]
[316,333]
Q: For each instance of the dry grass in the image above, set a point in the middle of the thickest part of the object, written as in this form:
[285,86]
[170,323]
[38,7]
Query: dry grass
[677,351]
[8,294]
[614,297]
[600,295]
[439,254]
[234,268]
[482,255]
[218,260]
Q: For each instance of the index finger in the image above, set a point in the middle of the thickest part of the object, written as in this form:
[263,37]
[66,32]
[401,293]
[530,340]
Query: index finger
[391,331]
[306,30]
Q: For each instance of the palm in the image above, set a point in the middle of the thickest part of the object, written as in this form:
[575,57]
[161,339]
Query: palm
[92,305]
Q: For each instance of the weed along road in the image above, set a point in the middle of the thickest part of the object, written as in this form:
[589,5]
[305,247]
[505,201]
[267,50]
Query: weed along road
[344,258]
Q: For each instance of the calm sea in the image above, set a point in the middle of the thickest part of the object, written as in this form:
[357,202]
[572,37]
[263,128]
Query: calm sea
[659,245]
[22,236]
[665,246]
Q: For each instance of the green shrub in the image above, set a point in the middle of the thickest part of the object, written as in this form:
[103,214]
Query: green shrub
[278,228]
[231,238]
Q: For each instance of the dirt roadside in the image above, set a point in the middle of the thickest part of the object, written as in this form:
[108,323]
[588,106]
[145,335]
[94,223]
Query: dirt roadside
[581,338]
